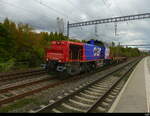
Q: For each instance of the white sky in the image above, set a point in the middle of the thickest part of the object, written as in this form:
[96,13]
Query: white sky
[42,14]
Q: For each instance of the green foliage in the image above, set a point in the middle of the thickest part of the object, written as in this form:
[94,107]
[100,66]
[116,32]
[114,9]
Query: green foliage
[22,44]
[19,104]
[8,65]
[118,51]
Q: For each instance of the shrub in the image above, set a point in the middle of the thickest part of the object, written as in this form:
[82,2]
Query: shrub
[7,66]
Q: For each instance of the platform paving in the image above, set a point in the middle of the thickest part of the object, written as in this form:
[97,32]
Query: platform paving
[134,96]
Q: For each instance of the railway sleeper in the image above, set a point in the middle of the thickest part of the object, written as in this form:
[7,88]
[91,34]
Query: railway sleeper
[100,109]
[97,90]
[101,85]
[2,97]
[77,103]
[88,96]
[115,90]
[13,92]
[108,100]
[98,87]
[92,93]
[51,101]
[114,93]
[70,109]
[111,96]
[104,104]
[84,99]
[54,110]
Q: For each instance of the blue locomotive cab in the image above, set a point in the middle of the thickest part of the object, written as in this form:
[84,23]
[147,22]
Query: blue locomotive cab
[93,52]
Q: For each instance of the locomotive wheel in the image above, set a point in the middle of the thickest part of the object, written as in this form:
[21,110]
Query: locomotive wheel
[73,70]
[48,67]
[83,68]
[88,69]
[51,67]
[93,67]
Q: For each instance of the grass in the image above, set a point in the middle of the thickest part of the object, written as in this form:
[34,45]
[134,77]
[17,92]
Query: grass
[19,104]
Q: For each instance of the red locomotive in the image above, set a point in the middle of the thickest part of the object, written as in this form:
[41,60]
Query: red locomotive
[75,57]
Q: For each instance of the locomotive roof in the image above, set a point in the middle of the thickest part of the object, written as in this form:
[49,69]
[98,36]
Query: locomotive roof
[67,42]
[71,42]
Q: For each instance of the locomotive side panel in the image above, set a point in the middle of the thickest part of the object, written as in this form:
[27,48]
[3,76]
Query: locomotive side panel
[93,52]
[103,49]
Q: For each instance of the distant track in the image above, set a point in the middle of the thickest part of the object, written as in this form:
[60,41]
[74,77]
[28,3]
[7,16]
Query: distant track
[7,89]
[36,89]
[16,75]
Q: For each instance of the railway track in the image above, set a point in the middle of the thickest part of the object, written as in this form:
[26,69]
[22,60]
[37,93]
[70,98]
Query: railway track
[16,92]
[16,75]
[12,78]
[10,94]
[93,96]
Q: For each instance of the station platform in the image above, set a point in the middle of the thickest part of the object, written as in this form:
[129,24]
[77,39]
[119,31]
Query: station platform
[135,95]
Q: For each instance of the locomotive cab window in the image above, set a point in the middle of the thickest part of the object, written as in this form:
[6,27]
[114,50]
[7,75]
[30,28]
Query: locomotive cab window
[75,52]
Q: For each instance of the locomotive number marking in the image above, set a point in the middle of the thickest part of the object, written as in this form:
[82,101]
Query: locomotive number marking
[97,51]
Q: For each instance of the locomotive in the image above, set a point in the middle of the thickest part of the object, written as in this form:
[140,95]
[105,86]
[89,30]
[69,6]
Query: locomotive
[75,57]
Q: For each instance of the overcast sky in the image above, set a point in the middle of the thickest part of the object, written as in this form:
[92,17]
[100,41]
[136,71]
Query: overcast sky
[42,14]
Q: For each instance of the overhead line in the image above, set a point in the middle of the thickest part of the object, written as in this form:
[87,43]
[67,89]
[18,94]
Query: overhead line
[54,9]
[111,20]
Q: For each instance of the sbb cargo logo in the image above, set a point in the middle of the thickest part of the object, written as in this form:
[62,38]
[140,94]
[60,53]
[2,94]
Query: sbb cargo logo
[97,51]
